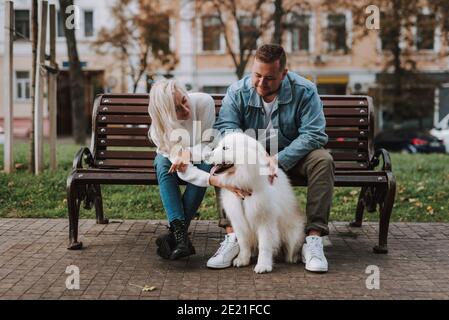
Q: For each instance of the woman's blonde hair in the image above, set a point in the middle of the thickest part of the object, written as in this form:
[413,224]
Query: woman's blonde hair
[163,114]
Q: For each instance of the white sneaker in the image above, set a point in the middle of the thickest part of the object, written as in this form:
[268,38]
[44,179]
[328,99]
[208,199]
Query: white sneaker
[313,254]
[229,249]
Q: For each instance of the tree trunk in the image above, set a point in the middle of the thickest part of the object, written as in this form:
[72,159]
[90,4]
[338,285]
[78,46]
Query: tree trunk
[240,70]
[34,31]
[277,18]
[76,79]
[397,62]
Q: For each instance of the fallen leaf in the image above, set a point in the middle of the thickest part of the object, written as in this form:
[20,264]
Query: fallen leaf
[429,210]
[354,192]
[411,200]
[145,288]
[148,288]
[419,204]
[421,188]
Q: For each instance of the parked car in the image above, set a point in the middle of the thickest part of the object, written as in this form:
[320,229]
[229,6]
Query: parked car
[409,141]
[441,131]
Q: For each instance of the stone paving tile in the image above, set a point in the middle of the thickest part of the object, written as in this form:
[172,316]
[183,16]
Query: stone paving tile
[120,256]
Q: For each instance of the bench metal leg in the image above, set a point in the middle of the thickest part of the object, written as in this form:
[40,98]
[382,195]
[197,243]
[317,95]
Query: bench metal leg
[73,203]
[99,205]
[357,223]
[386,208]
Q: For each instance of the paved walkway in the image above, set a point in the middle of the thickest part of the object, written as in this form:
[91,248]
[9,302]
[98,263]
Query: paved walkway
[119,257]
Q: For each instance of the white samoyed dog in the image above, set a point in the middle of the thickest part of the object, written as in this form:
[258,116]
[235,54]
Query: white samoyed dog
[267,220]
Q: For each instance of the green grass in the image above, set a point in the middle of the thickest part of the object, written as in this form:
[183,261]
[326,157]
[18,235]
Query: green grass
[422,192]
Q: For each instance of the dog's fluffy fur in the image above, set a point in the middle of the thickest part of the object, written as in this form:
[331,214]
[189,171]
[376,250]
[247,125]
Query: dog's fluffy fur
[269,219]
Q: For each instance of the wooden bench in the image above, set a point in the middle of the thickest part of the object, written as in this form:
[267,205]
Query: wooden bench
[121,153]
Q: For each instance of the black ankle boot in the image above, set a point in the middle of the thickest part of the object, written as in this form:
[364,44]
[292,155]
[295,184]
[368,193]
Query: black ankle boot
[181,248]
[166,243]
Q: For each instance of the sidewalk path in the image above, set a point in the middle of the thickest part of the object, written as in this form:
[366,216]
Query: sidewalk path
[119,257]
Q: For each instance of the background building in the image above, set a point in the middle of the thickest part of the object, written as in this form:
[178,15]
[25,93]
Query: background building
[321,46]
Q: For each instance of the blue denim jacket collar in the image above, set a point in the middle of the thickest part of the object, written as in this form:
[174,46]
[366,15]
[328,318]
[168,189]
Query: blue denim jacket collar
[284,97]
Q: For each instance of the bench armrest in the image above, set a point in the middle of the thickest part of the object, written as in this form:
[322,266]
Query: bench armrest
[78,161]
[385,157]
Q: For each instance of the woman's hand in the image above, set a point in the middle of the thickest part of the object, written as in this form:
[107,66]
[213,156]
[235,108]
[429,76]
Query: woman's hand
[216,182]
[273,168]
[181,162]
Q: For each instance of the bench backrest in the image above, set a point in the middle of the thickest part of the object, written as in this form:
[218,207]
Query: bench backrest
[120,131]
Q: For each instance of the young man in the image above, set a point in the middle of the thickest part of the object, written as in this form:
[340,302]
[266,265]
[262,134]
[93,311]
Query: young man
[274,98]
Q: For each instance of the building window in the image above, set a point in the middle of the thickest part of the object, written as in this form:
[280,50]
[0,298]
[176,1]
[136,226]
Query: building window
[425,31]
[23,91]
[336,32]
[300,32]
[211,29]
[60,19]
[249,32]
[22,24]
[88,24]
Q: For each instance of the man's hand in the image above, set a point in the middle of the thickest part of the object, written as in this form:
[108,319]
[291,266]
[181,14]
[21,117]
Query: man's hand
[273,168]
[181,162]
[216,182]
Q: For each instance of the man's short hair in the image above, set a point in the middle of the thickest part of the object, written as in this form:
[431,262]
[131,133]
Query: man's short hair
[269,53]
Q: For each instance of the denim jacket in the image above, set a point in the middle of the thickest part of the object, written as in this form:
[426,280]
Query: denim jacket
[297,116]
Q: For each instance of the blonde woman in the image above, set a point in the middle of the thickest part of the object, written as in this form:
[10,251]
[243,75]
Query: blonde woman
[179,122]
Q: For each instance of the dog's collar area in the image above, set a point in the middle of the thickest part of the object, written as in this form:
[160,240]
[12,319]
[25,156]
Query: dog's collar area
[221,168]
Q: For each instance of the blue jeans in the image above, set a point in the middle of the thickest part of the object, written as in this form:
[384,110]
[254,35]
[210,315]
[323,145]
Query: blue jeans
[177,206]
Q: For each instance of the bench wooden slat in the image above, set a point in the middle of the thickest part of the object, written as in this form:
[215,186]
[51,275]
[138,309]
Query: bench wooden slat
[346,132]
[125,142]
[343,103]
[123,131]
[148,177]
[124,119]
[351,166]
[345,112]
[341,122]
[106,154]
[358,145]
[139,101]
[149,163]
[123,163]
[348,156]
[150,155]
[123,109]
[124,178]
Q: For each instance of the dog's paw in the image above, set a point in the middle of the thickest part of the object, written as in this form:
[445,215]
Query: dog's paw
[241,261]
[261,268]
